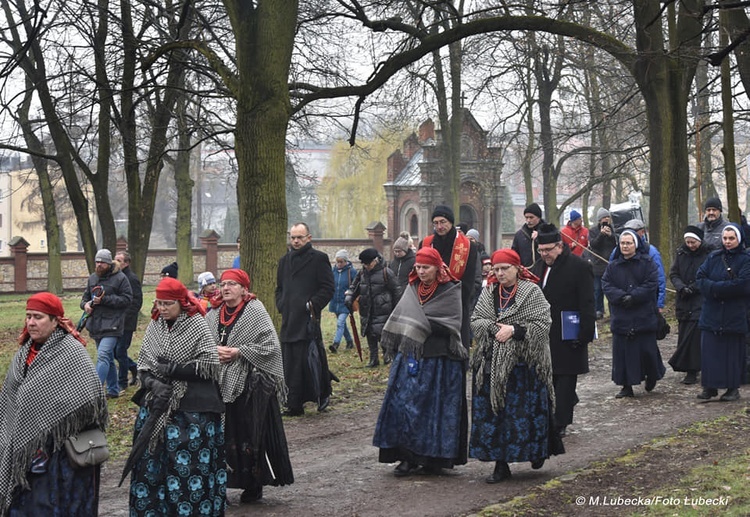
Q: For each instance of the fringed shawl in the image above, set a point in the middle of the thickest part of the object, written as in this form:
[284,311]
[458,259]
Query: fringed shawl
[530,310]
[255,336]
[187,342]
[60,395]
[409,325]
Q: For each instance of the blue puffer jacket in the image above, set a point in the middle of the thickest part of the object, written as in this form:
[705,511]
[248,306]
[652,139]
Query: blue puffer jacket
[342,279]
[638,277]
[726,293]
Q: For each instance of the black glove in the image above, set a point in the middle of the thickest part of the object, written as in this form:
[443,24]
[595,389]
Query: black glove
[687,291]
[165,367]
[627,301]
[348,303]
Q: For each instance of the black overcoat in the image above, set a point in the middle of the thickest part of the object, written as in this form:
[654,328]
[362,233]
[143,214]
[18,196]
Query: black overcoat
[682,274]
[303,275]
[569,287]
[638,277]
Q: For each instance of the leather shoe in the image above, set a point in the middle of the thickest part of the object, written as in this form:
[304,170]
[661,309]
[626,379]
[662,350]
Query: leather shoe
[708,393]
[324,403]
[501,473]
[537,464]
[626,391]
[403,469]
[690,378]
[730,395]
[294,412]
[333,348]
[650,384]
[113,395]
[562,431]
[349,345]
[134,373]
[372,364]
[251,495]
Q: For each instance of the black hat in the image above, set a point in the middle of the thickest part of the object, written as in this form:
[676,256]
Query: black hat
[694,232]
[170,270]
[368,255]
[533,208]
[463,227]
[548,233]
[443,211]
[713,202]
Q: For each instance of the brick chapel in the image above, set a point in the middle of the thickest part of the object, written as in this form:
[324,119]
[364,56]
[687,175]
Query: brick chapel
[415,176]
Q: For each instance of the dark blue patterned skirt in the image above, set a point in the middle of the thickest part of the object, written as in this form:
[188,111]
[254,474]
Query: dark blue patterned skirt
[521,431]
[186,475]
[421,417]
[62,491]
[722,360]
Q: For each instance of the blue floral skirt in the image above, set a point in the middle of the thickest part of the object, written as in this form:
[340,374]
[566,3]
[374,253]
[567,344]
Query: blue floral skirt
[521,430]
[424,417]
[186,475]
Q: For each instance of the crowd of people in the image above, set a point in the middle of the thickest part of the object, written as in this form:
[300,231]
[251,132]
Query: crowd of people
[214,377]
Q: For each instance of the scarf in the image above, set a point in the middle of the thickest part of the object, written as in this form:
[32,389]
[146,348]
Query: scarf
[47,405]
[409,325]
[530,310]
[188,341]
[255,336]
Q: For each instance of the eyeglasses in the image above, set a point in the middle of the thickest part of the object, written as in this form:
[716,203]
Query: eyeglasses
[544,251]
[164,303]
[229,283]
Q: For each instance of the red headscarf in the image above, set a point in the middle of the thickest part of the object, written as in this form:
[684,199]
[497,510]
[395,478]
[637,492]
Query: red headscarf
[431,257]
[172,289]
[50,304]
[509,256]
[239,276]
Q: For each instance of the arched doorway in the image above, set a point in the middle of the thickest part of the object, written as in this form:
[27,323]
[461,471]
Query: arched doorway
[468,215]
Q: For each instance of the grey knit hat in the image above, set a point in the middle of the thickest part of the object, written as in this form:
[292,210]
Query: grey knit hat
[342,254]
[401,244]
[103,255]
[473,234]
[602,213]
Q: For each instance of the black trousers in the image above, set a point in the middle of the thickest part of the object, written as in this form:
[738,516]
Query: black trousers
[565,397]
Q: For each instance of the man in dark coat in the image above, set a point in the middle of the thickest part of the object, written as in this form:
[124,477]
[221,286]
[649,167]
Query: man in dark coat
[568,285]
[524,242]
[130,324]
[304,285]
[105,300]
[378,292]
[602,241]
[461,257]
[713,224]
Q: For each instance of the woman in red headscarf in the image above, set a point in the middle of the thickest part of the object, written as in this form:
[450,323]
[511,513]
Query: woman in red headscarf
[513,399]
[178,455]
[252,385]
[51,392]
[423,420]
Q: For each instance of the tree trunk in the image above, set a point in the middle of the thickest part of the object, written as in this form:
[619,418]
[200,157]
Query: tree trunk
[184,184]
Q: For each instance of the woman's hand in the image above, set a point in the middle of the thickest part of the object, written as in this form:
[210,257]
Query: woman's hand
[227,354]
[504,332]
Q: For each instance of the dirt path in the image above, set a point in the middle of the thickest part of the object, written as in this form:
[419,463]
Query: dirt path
[337,472]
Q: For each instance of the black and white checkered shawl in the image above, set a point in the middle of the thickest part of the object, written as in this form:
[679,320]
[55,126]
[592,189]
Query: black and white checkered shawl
[60,395]
[530,310]
[187,342]
[254,335]
[408,326]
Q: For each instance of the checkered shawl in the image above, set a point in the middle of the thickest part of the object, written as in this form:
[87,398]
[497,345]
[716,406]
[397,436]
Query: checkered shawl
[254,335]
[530,310]
[408,327]
[188,341]
[60,396]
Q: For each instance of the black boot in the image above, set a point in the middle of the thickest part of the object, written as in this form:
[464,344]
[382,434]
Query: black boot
[626,391]
[386,359]
[334,348]
[730,395]
[501,473]
[373,359]
[134,372]
[690,378]
[708,393]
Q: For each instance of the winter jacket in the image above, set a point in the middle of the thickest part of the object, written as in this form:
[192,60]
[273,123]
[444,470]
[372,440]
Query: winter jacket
[108,317]
[682,274]
[637,277]
[524,246]
[579,236]
[378,293]
[131,314]
[652,252]
[401,267]
[712,233]
[724,281]
[342,279]
[304,275]
[569,287]
[603,245]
